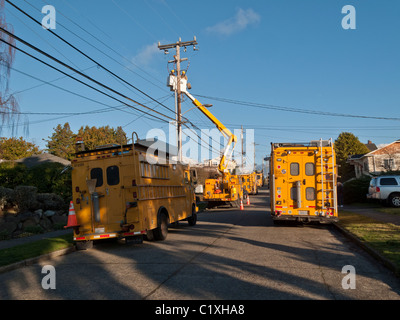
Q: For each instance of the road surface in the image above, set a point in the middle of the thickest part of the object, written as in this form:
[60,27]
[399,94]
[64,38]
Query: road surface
[230,255]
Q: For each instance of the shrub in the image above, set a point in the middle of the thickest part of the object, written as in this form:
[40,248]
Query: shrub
[47,178]
[356,190]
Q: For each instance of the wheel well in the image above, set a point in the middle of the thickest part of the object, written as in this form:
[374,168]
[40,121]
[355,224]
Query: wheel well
[394,194]
[162,210]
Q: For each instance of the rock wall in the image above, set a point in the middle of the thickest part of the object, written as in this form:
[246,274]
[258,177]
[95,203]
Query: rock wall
[25,210]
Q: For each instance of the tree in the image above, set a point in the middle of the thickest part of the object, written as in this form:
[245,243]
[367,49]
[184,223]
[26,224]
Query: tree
[62,141]
[8,103]
[347,144]
[93,137]
[13,148]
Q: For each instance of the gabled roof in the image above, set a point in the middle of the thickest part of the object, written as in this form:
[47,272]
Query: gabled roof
[371,153]
[38,159]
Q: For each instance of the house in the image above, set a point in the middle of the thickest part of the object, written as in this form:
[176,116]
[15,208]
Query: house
[377,161]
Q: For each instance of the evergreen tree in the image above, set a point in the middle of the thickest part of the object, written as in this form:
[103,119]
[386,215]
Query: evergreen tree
[62,142]
[347,144]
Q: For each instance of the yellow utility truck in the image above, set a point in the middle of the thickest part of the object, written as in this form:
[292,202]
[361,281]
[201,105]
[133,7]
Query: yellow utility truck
[303,180]
[249,183]
[260,179]
[126,191]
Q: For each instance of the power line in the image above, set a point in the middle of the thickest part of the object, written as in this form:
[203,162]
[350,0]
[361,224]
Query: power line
[80,81]
[291,109]
[88,57]
[103,43]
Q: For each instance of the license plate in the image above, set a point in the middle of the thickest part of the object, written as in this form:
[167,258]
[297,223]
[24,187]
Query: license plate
[303,212]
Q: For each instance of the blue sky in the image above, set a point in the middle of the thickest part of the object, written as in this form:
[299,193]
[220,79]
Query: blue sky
[286,54]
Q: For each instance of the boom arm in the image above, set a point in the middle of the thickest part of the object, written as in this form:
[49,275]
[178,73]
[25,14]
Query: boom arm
[224,130]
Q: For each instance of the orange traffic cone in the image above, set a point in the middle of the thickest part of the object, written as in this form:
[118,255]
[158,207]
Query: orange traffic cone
[71,217]
[241,204]
[248,200]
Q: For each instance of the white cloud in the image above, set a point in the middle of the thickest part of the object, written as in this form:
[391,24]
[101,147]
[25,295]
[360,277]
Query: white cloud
[145,55]
[240,21]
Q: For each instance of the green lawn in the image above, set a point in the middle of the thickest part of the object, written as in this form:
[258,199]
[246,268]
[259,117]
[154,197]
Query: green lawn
[34,249]
[383,237]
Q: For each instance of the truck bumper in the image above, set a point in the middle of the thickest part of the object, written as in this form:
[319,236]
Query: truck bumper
[305,218]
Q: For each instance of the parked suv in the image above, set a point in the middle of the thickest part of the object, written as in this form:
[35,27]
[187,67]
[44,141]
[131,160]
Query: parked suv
[386,189]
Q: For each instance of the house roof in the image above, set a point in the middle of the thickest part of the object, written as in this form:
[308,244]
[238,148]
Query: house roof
[38,159]
[371,146]
[371,153]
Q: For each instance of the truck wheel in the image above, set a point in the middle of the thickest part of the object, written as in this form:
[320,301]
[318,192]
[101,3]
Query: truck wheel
[193,218]
[84,245]
[394,200]
[161,232]
[150,235]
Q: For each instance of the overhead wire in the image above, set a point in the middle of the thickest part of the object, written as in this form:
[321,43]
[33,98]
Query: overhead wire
[80,81]
[104,44]
[85,55]
[98,64]
[291,109]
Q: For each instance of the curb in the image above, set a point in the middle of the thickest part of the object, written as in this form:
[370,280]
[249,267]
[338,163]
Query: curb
[378,256]
[34,260]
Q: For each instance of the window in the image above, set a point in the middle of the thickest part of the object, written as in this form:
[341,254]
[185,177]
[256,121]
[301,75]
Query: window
[388,163]
[294,169]
[97,173]
[113,175]
[310,193]
[310,169]
[388,182]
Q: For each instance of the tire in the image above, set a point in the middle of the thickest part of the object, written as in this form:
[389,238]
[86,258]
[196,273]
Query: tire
[161,232]
[193,218]
[84,245]
[149,235]
[394,200]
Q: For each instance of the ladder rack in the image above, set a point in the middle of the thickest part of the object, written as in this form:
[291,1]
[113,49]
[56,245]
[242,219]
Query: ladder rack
[325,169]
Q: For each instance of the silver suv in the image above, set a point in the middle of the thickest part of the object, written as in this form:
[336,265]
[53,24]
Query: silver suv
[385,188]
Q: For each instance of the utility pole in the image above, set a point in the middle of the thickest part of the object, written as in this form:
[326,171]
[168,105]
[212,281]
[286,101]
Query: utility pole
[241,140]
[255,144]
[177,60]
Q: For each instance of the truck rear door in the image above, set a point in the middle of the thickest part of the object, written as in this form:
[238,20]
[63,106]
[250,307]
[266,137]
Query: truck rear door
[110,198]
[301,182]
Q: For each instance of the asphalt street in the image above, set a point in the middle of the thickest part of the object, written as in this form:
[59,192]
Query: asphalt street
[229,255]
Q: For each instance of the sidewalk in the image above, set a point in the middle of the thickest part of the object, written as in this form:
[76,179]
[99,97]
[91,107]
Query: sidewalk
[5,244]
[372,213]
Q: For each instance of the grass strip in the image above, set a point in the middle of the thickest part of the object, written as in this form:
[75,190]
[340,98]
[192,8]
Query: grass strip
[34,249]
[381,236]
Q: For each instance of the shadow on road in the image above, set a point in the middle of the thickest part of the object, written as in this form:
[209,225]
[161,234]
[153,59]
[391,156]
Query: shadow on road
[229,254]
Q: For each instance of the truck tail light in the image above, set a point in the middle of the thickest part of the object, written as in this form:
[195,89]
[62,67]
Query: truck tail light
[378,189]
